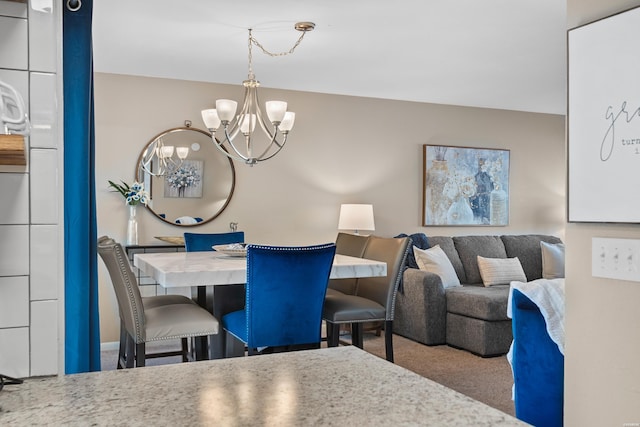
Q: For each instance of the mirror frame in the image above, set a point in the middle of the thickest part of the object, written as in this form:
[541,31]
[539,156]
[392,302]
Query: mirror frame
[137,175]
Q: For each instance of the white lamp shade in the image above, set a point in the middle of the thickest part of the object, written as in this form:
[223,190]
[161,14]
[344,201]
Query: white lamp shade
[182,152]
[210,118]
[247,123]
[226,109]
[356,217]
[287,123]
[166,151]
[276,110]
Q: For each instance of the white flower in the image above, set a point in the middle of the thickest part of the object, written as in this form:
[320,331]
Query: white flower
[132,195]
[459,184]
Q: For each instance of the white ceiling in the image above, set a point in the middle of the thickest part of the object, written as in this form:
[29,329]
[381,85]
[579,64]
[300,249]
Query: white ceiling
[501,54]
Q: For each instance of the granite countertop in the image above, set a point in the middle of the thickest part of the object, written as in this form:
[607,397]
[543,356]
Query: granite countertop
[332,386]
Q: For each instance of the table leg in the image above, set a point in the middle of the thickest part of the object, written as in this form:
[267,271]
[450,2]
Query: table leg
[226,299]
[219,300]
[201,342]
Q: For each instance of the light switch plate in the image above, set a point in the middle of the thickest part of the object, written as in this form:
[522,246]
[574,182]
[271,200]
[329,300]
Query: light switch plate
[615,258]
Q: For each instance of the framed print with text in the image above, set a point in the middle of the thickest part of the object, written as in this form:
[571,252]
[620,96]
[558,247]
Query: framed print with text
[604,120]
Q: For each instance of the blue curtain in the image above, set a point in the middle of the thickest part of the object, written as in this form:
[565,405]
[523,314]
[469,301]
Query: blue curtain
[82,328]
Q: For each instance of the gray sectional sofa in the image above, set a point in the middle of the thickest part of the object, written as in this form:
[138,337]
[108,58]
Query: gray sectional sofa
[472,317]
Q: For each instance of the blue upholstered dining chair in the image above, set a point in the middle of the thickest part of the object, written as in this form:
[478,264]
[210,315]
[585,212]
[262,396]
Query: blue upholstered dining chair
[284,297]
[227,298]
[195,242]
[538,366]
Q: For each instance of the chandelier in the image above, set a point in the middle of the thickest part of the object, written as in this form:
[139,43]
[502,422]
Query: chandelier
[251,114]
[158,159]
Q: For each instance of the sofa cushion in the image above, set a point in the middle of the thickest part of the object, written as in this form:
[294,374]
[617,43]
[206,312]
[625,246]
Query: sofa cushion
[479,302]
[527,249]
[486,339]
[435,261]
[500,271]
[449,248]
[469,247]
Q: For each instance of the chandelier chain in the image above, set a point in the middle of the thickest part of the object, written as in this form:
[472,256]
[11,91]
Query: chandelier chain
[290,51]
[254,41]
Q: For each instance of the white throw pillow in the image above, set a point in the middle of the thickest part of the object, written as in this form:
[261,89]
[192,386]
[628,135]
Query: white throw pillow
[552,260]
[434,260]
[500,271]
[186,220]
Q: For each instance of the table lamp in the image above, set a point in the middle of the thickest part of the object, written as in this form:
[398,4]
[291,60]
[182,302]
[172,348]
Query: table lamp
[356,217]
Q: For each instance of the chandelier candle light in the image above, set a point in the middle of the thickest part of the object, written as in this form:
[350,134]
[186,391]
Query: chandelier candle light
[158,158]
[251,114]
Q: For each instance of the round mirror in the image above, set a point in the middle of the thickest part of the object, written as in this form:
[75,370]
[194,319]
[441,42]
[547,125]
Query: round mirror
[192,189]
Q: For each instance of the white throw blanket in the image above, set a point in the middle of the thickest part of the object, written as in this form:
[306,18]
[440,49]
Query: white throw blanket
[548,295]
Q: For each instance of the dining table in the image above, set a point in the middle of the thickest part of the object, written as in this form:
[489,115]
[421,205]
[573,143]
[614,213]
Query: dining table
[217,280]
[326,387]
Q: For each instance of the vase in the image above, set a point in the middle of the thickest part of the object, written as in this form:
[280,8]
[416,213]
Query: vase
[132,226]
[460,212]
[498,207]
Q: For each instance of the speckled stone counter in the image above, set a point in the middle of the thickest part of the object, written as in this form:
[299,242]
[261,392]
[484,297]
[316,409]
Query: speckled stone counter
[341,386]
[180,269]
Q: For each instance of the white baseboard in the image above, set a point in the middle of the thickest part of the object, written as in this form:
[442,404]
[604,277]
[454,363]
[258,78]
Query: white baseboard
[107,346]
[114,346]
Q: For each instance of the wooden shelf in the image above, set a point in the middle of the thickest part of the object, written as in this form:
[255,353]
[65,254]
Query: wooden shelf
[12,150]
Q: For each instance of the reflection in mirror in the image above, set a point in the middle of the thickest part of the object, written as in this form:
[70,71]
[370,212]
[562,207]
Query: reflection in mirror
[192,191]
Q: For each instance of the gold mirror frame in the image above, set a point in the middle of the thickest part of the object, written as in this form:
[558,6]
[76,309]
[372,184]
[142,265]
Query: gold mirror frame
[205,200]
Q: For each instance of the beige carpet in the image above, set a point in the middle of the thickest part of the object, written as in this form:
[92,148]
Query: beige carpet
[488,380]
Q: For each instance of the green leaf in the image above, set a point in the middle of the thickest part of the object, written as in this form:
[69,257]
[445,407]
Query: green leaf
[122,189]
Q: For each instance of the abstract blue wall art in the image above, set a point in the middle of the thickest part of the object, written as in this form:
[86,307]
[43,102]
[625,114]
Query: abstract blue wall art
[465,186]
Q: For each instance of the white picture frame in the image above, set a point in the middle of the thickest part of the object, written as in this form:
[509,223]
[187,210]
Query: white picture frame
[604,120]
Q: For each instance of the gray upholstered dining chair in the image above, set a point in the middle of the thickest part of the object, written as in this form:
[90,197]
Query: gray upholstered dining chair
[149,319]
[351,245]
[374,298]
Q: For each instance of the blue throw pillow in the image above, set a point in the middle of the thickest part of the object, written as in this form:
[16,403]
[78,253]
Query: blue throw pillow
[418,240]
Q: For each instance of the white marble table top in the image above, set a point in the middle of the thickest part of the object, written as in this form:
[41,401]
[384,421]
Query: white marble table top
[179,269]
[340,386]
